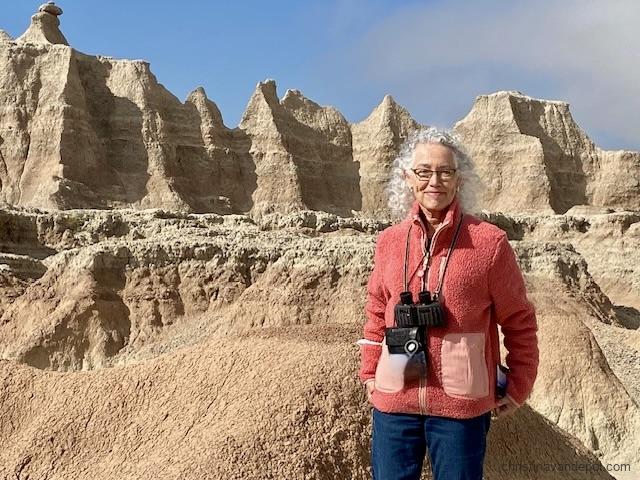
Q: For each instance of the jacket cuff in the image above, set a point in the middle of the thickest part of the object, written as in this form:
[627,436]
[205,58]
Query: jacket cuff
[369,361]
[513,400]
[515,396]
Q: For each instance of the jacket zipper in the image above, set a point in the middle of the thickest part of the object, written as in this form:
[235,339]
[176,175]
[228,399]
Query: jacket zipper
[422,386]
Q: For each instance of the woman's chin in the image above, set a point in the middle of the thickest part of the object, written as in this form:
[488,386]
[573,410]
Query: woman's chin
[434,204]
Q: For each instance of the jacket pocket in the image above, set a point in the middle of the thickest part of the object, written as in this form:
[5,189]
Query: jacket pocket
[390,370]
[464,369]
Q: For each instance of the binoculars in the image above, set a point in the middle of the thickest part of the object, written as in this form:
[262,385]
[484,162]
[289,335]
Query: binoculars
[412,320]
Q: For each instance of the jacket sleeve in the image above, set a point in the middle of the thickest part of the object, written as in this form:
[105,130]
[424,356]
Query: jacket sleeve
[517,318]
[374,310]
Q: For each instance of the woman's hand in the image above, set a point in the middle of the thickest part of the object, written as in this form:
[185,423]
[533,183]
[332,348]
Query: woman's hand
[370,386]
[505,406]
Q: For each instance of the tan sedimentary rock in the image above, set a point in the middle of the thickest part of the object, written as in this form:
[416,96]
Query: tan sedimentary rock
[153,272]
[45,27]
[574,371]
[320,141]
[80,131]
[376,143]
[129,286]
[533,157]
[302,153]
[191,328]
[609,242]
[11,287]
[229,172]
[112,136]
[148,148]
[278,187]
[50,7]
[617,182]
[272,403]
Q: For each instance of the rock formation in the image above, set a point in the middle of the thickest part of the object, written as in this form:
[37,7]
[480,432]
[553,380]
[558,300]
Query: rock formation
[200,287]
[151,272]
[533,157]
[50,7]
[223,410]
[376,143]
[44,27]
[302,153]
[609,242]
[111,136]
[123,287]
[574,370]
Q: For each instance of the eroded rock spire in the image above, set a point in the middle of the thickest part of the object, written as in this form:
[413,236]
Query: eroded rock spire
[45,27]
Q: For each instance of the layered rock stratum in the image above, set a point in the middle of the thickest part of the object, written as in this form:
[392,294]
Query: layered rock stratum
[533,157]
[180,299]
[81,131]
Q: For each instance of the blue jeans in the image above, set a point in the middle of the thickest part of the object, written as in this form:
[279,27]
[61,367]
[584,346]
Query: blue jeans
[400,440]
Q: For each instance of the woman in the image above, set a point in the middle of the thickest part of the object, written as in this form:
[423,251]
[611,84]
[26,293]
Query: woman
[469,268]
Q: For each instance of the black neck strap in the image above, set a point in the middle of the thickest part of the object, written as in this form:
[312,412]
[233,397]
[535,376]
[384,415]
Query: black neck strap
[446,261]
[426,273]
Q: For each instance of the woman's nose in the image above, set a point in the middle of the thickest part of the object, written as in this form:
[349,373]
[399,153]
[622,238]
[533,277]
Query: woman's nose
[435,179]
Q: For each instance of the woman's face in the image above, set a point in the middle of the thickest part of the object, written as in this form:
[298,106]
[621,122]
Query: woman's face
[437,192]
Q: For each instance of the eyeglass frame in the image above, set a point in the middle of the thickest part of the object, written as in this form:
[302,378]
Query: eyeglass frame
[439,173]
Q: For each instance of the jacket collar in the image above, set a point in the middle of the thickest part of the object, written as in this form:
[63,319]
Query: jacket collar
[452,213]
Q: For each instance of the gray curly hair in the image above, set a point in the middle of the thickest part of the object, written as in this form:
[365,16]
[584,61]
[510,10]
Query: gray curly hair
[399,195]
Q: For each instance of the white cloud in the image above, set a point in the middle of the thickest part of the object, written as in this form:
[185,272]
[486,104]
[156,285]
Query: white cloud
[440,55]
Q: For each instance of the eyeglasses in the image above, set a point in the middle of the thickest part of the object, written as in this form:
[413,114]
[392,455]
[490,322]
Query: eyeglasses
[426,174]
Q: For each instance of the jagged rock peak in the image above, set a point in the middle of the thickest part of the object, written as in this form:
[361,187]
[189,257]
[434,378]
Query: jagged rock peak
[265,94]
[5,37]
[389,100]
[293,93]
[50,7]
[390,110]
[199,92]
[45,27]
[205,107]
[544,161]
[530,116]
[520,96]
[294,98]
[268,89]
[295,102]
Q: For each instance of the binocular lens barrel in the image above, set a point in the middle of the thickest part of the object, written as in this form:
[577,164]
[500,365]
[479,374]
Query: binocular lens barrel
[424,297]
[406,298]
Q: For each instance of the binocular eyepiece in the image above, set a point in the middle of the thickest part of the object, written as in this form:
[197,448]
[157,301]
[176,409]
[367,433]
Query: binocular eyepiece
[427,312]
[409,336]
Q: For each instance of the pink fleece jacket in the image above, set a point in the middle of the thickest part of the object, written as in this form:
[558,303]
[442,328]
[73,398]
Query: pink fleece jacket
[483,287]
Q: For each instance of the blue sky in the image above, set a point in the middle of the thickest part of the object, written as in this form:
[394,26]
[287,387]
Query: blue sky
[434,57]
